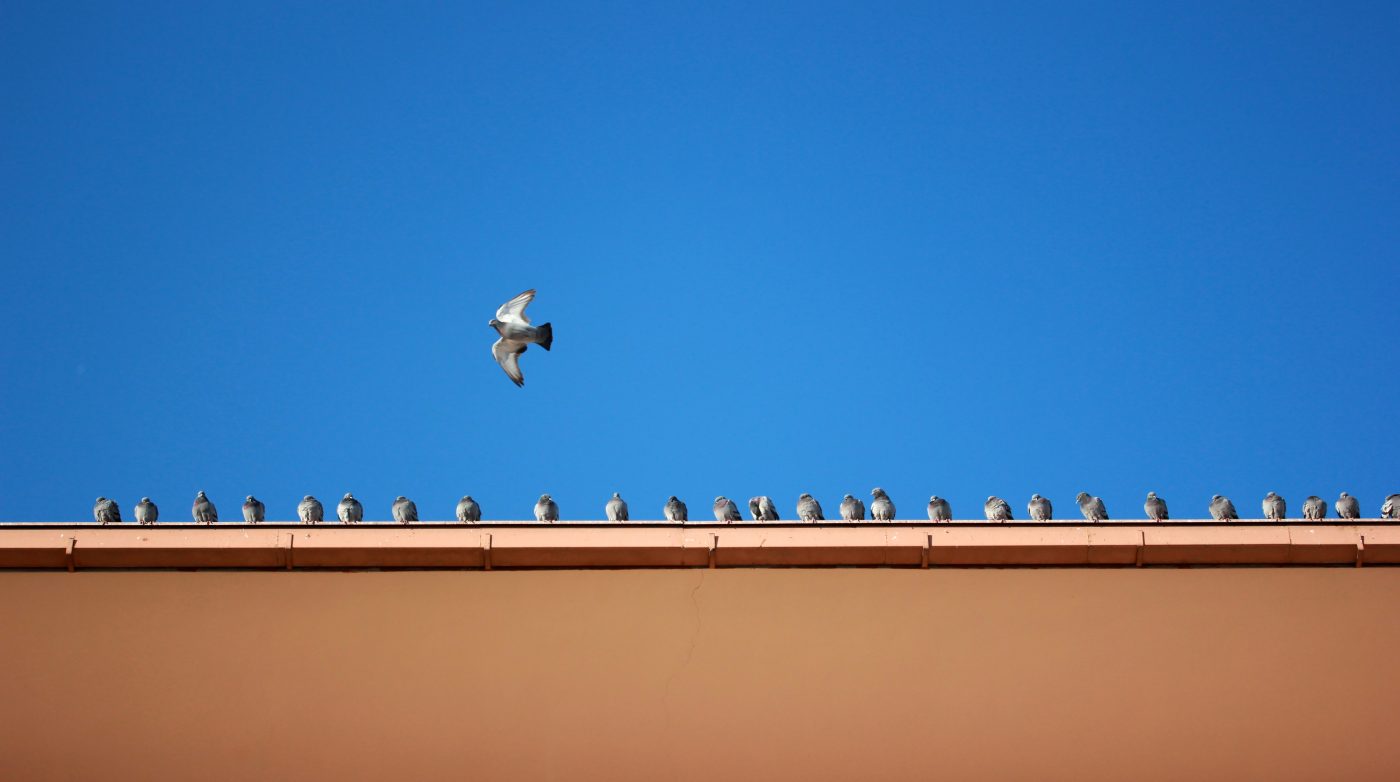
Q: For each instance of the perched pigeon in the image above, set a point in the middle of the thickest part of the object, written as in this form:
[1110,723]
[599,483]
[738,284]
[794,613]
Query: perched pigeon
[808,509]
[1275,509]
[253,510]
[517,334]
[1390,509]
[675,510]
[546,509]
[146,511]
[204,511]
[1348,507]
[1040,509]
[467,510]
[105,511]
[726,510]
[616,508]
[881,509]
[405,512]
[939,509]
[997,509]
[1221,509]
[1091,507]
[852,509]
[1156,507]
[310,510]
[350,510]
[762,508]
[1314,508]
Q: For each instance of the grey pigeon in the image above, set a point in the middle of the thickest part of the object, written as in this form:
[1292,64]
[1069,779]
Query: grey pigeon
[1040,508]
[105,511]
[204,511]
[808,509]
[617,508]
[310,510]
[253,510]
[350,510]
[852,509]
[146,511]
[546,509]
[468,511]
[939,509]
[1091,507]
[1156,507]
[1314,508]
[675,510]
[997,509]
[1221,509]
[1390,509]
[405,512]
[517,334]
[1275,509]
[762,508]
[726,510]
[1348,507]
[881,509]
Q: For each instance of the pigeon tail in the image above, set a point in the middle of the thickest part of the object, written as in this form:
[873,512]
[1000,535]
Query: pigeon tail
[546,337]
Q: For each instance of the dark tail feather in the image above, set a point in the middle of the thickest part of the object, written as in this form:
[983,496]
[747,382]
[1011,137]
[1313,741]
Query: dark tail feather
[546,336]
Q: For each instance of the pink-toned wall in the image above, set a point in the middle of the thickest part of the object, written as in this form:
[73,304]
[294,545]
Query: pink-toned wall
[1238,673]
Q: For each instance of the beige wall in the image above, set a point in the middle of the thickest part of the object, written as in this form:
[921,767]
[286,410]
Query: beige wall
[701,674]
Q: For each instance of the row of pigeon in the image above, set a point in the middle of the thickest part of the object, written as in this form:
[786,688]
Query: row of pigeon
[762,508]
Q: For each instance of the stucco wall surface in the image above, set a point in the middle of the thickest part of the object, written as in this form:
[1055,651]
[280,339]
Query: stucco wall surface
[1236,673]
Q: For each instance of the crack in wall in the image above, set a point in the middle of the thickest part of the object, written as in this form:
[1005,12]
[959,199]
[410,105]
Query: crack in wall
[689,653]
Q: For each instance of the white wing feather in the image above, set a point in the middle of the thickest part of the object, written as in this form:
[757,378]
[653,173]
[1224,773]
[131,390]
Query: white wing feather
[514,310]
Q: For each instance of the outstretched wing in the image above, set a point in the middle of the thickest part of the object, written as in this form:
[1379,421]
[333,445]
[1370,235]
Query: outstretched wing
[507,354]
[514,310]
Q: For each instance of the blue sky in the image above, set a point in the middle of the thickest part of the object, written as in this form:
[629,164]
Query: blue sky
[964,250]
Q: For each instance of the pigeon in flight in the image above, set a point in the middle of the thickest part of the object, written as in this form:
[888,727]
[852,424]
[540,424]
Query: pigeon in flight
[310,510]
[881,509]
[1040,508]
[467,510]
[762,508]
[616,508]
[517,334]
[1221,509]
[350,510]
[939,509]
[1390,509]
[146,511]
[1275,509]
[852,509]
[204,511]
[1348,507]
[726,510]
[253,510]
[546,509]
[405,512]
[676,510]
[1091,507]
[105,511]
[808,509]
[1314,508]
[997,509]
[1156,507]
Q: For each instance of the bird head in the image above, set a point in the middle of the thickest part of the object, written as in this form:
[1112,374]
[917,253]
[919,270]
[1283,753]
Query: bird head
[934,498]
[200,496]
[545,498]
[308,498]
[1081,496]
[101,499]
[145,500]
[672,498]
[848,497]
[467,498]
[495,324]
[805,496]
[877,492]
[1344,494]
[400,498]
[1216,498]
[249,498]
[720,500]
[617,496]
[1035,497]
[1152,495]
[348,496]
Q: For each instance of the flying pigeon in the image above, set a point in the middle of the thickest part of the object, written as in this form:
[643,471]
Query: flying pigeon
[1156,507]
[1221,509]
[997,509]
[616,508]
[546,509]
[1348,507]
[517,334]
[808,509]
[675,510]
[852,509]
[204,511]
[310,510]
[350,510]
[1390,509]
[881,509]
[1275,509]
[939,509]
[146,511]
[1040,509]
[105,511]
[762,508]
[405,512]
[253,511]
[1314,508]
[467,510]
[726,510]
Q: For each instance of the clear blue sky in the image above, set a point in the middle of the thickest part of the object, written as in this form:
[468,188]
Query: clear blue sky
[250,248]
